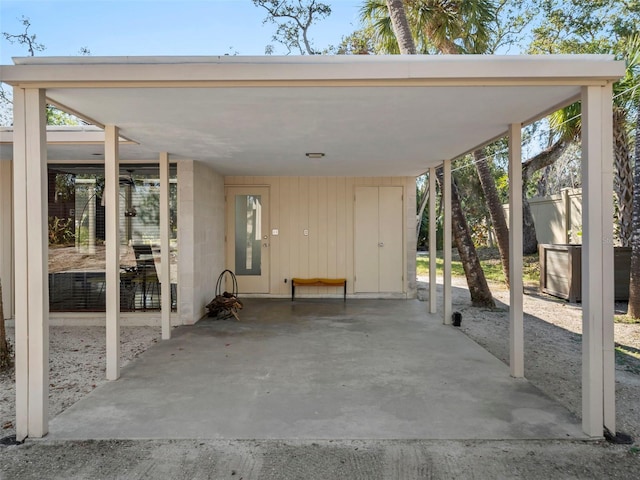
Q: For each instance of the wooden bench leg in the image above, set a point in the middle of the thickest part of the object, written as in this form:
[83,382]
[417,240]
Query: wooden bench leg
[293,291]
[345,290]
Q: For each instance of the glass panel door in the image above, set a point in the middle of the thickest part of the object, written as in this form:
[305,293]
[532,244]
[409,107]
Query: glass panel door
[248,234]
[248,237]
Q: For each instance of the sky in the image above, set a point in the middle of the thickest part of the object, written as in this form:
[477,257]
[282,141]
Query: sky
[158,27]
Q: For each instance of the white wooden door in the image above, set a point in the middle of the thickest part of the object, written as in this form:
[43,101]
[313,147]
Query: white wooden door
[390,258]
[379,264]
[366,240]
[248,237]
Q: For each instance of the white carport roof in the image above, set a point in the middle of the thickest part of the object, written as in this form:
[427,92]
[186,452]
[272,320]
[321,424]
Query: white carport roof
[260,115]
[371,116]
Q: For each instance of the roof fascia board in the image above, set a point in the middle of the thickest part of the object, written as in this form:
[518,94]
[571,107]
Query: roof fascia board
[574,82]
[298,59]
[492,69]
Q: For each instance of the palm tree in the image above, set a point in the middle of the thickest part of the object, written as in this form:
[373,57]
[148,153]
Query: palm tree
[477,282]
[437,26]
[400,25]
[394,13]
[449,27]
[494,205]
[631,81]
[634,281]
[623,105]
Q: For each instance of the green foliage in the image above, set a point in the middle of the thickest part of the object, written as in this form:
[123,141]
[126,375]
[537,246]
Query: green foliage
[472,199]
[576,26]
[437,25]
[510,28]
[60,231]
[471,194]
[65,187]
[423,231]
[491,265]
[626,319]
[58,117]
[359,42]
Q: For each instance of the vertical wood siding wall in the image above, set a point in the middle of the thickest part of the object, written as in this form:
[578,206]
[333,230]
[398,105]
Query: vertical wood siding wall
[324,206]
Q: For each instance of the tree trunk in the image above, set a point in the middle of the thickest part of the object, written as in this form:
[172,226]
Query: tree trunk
[624,176]
[543,182]
[422,208]
[480,293]
[634,281]
[444,45]
[495,209]
[529,237]
[543,159]
[5,352]
[401,27]
[476,281]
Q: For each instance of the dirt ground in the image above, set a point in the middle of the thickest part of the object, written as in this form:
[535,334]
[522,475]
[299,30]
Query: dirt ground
[552,363]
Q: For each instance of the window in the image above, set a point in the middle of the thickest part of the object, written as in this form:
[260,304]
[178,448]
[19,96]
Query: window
[77,235]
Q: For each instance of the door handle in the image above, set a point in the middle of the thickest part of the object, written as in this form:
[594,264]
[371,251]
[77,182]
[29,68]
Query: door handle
[265,244]
[381,244]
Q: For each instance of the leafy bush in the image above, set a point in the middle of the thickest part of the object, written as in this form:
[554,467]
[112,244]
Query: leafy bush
[60,231]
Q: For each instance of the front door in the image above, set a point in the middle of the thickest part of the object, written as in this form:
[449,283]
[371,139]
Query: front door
[248,237]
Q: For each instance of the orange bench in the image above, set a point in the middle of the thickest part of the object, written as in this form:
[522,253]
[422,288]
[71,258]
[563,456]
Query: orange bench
[318,282]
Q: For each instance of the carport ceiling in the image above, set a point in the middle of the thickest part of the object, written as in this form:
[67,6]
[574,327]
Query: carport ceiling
[382,117]
[267,131]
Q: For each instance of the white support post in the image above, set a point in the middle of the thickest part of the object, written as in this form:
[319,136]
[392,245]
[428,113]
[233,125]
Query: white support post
[446,226]
[597,312]
[516,326]
[91,193]
[31,280]
[38,269]
[112,237]
[21,299]
[165,247]
[433,287]
[608,341]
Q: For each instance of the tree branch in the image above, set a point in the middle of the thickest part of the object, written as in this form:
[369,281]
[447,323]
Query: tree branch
[543,159]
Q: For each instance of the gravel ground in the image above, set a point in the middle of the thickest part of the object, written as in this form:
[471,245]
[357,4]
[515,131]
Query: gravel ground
[77,366]
[325,460]
[553,348]
[552,363]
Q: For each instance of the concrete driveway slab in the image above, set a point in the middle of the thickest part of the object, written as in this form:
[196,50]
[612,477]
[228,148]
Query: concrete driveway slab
[312,369]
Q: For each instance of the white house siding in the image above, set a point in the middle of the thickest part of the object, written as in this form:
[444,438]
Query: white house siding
[6,236]
[200,237]
[324,206]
